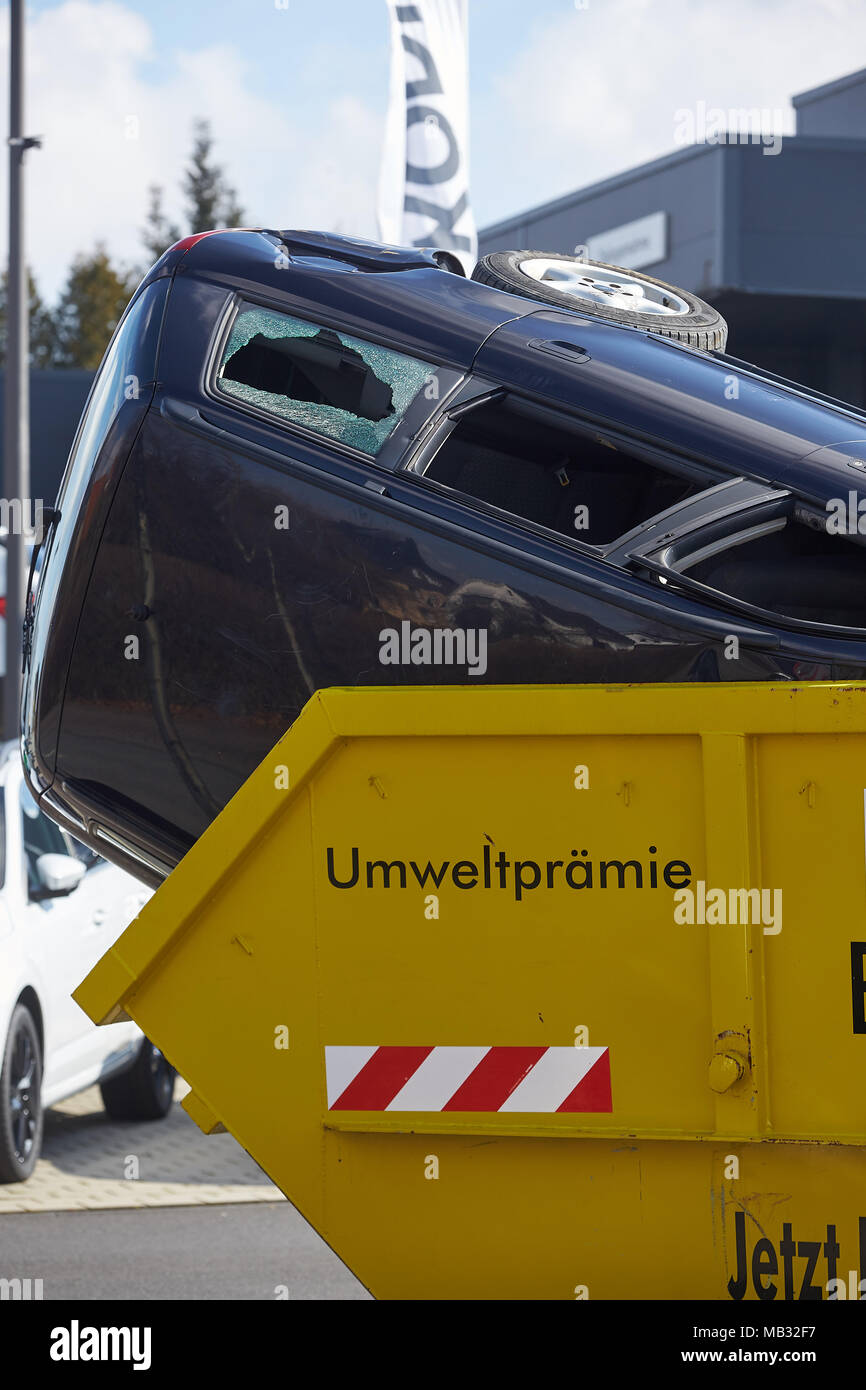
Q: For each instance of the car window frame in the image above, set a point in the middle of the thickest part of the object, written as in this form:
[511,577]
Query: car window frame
[654,454]
[410,426]
[630,553]
[745,522]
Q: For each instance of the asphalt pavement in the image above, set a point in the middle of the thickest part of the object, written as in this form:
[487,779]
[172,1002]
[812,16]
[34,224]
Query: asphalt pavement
[157,1211]
[242,1251]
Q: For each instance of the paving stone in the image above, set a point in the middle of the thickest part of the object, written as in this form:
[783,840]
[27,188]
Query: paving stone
[84,1154]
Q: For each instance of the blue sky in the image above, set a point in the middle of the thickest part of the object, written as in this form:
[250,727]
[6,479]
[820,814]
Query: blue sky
[561,94]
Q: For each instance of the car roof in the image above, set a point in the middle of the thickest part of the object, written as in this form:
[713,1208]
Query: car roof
[399,294]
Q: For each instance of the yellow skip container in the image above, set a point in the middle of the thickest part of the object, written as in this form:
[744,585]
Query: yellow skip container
[537,992]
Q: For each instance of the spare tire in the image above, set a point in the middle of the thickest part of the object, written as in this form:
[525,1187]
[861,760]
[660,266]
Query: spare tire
[605,291]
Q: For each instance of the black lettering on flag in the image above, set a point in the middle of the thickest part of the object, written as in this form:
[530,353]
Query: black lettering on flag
[443,234]
[430,82]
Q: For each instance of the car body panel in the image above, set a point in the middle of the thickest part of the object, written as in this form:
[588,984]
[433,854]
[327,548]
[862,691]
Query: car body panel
[420,309]
[694,402]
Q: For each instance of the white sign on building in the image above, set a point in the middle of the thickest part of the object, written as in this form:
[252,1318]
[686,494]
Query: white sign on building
[634,244]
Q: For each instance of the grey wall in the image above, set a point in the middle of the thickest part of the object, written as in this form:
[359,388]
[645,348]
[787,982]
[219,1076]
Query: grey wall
[687,185]
[789,223]
[56,402]
[794,222]
[837,109]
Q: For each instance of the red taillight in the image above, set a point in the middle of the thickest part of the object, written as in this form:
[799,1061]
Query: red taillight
[2,606]
[188,241]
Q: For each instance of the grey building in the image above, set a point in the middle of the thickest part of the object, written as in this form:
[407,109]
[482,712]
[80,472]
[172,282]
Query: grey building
[56,402]
[777,241]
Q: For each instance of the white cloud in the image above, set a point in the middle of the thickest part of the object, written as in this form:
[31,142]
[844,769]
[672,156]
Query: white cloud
[595,91]
[583,96]
[90,90]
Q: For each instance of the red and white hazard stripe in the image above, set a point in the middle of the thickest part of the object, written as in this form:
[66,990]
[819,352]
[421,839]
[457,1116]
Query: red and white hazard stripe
[522,1080]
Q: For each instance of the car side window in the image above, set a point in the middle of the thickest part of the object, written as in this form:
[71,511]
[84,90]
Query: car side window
[339,386]
[789,567]
[584,486]
[39,836]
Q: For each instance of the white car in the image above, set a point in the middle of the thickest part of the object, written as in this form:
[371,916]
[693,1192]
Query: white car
[61,907]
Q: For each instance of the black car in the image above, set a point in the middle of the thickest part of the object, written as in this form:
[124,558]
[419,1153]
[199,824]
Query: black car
[310,461]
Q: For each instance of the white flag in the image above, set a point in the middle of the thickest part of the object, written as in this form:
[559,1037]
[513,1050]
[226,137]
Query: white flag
[424,187]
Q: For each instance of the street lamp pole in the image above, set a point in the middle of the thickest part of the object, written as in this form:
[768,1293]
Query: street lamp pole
[16,421]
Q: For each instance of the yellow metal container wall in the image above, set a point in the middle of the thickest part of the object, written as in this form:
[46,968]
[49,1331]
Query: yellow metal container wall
[617,1051]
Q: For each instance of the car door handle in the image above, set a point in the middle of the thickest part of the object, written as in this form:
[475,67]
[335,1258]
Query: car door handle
[181,411]
[557,347]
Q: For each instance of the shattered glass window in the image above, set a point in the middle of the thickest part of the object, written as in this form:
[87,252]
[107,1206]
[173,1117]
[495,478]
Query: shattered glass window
[344,388]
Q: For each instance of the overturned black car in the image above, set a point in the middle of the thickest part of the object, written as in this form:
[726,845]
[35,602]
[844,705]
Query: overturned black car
[309,461]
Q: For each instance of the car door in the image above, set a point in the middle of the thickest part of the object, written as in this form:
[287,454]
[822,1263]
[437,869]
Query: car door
[67,935]
[700,543]
[698,403]
[104,903]
[56,932]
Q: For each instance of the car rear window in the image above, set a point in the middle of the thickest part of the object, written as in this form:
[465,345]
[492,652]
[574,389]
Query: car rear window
[349,390]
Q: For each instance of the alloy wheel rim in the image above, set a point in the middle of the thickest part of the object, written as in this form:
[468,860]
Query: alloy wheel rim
[22,1096]
[160,1072]
[615,289]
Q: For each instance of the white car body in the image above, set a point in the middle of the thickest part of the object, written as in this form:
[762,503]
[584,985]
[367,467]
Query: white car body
[48,946]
